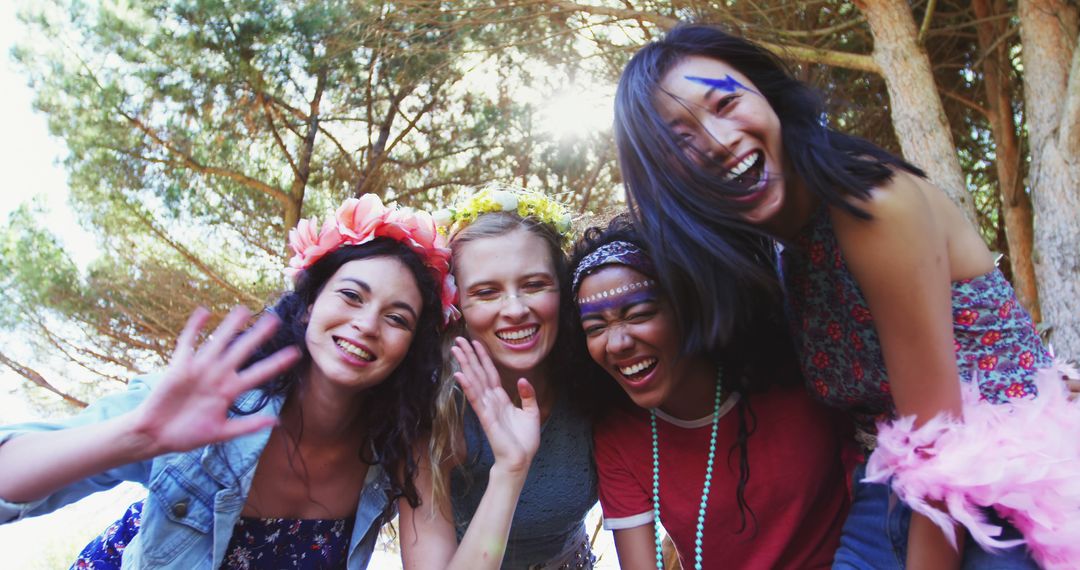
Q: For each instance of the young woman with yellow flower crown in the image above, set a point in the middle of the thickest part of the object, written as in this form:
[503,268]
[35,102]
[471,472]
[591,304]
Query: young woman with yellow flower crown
[285,446]
[497,489]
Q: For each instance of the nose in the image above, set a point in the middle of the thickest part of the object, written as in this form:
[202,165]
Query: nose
[720,139]
[364,321]
[514,307]
[619,340]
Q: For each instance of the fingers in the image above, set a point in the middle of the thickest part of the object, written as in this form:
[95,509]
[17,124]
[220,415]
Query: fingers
[270,367]
[225,332]
[490,373]
[528,396]
[243,426]
[241,349]
[470,390]
[185,343]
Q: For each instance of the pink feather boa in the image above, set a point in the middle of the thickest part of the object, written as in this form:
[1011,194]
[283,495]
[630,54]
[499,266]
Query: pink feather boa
[1021,458]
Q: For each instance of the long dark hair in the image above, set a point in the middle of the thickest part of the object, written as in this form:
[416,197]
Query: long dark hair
[718,269]
[741,375]
[396,410]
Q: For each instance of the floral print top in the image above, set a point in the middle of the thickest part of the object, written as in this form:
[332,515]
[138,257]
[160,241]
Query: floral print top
[994,338]
[307,544]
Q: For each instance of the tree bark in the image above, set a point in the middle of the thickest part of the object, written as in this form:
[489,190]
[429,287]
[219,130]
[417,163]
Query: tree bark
[917,113]
[1017,215]
[1048,32]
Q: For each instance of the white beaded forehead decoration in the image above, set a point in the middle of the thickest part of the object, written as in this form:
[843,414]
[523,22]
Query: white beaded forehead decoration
[618,291]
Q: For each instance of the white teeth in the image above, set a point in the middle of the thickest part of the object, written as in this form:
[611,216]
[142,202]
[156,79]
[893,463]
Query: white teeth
[355,350]
[517,335]
[635,368]
[742,167]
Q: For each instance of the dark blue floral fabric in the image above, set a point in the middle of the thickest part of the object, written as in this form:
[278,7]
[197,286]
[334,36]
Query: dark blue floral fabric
[995,341]
[256,543]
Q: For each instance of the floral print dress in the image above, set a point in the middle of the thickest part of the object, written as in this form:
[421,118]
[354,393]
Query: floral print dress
[271,543]
[995,341]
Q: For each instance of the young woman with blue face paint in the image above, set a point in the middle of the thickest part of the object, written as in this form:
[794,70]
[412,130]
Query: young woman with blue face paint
[742,475]
[892,297]
[340,370]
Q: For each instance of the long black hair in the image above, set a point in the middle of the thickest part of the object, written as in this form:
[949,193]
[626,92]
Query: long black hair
[397,409]
[741,375]
[718,269]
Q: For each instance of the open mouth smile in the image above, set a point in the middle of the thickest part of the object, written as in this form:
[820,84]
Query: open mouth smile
[518,336]
[354,350]
[638,370]
[749,173]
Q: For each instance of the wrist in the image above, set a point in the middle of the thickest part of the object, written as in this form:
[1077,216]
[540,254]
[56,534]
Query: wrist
[508,470]
[136,436]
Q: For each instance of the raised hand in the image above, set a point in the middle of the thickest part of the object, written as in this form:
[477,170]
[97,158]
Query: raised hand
[513,432]
[189,406]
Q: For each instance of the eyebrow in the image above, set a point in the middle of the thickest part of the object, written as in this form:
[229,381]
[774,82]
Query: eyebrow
[533,275]
[728,84]
[593,309]
[367,289]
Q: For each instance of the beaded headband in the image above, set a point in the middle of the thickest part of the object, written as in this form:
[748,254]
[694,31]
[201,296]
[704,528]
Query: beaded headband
[360,220]
[498,198]
[614,253]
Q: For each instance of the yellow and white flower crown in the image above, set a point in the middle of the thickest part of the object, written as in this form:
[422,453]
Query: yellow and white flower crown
[499,198]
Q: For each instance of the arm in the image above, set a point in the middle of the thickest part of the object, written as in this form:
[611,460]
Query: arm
[636,547]
[514,435]
[900,260]
[187,409]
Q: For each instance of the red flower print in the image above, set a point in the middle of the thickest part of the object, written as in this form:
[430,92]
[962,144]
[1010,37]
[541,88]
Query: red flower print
[988,362]
[966,317]
[884,387]
[817,253]
[857,370]
[1027,360]
[806,324]
[861,314]
[856,342]
[834,330]
[1006,308]
[821,360]
[821,387]
[1016,390]
[956,345]
[990,338]
[838,261]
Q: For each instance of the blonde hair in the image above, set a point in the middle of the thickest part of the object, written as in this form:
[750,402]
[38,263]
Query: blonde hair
[447,427]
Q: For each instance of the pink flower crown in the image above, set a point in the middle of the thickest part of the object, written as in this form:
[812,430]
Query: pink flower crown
[360,220]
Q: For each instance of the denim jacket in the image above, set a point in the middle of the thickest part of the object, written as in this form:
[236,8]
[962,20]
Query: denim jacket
[194,498]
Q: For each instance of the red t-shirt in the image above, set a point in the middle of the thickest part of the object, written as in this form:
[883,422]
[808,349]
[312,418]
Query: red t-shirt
[796,490]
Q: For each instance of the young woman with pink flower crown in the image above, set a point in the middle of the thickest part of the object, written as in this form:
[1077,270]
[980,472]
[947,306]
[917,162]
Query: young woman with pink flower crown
[498,490]
[283,446]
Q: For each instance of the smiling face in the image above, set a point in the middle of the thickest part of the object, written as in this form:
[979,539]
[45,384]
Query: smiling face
[724,124]
[362,323]
[631,333]
[510,299]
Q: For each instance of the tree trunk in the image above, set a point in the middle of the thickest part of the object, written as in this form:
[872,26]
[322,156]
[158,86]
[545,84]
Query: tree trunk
[1015,204]
[1048,32]
[917,113]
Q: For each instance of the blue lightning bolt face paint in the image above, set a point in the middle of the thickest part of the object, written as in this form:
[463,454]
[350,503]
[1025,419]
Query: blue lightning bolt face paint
[728,84]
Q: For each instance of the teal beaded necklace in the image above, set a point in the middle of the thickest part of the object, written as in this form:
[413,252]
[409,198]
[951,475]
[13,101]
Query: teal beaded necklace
[705,489]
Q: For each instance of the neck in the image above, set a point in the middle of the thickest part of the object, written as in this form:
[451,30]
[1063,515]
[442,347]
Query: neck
[799,206]
[329,418]
[696,395]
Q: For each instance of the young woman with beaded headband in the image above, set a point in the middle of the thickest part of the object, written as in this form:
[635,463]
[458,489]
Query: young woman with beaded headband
[738,479]
[284,446]
[891,296]
[504,492]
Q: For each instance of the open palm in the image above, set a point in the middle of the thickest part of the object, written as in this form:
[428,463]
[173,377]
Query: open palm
[189,407]
[513,432]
